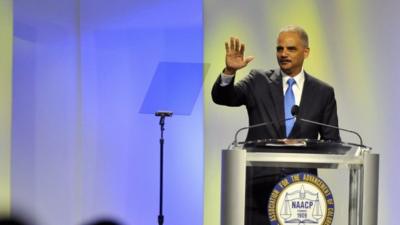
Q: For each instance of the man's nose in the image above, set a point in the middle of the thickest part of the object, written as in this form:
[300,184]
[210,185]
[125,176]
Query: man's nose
[284,53]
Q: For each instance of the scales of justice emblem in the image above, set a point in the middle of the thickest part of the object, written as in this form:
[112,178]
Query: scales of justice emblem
[301,199]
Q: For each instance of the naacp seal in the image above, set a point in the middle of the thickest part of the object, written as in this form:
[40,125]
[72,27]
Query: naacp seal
[301,199]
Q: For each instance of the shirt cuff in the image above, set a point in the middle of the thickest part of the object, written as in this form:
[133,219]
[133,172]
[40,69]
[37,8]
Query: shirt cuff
[226,79]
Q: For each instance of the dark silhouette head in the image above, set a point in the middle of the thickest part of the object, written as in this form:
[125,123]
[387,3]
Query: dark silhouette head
[103,222]
[11,221]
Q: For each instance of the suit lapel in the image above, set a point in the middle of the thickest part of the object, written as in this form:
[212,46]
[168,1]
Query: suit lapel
[276,94]
[305,103]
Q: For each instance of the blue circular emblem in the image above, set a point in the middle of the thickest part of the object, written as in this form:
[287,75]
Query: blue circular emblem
[301,198]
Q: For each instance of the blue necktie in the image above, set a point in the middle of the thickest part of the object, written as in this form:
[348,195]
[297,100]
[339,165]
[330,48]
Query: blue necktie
[289,102]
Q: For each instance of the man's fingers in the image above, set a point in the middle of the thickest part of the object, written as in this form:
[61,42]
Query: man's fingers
[242,49]
[226,47]
[237,44]
[232,47]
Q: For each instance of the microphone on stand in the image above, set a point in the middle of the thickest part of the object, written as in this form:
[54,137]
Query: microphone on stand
[295,112]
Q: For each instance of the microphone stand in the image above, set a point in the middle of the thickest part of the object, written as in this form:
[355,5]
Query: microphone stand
[162,116]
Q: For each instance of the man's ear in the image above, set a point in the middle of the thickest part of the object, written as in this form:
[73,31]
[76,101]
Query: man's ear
[306,52]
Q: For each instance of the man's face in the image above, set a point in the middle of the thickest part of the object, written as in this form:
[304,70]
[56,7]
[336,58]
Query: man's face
[291,52]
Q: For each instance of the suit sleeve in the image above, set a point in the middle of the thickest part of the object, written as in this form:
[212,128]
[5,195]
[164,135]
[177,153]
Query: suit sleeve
[330,117]
[231,94]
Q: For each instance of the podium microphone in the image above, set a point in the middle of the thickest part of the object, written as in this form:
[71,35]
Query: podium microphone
[235,143]
[295,112]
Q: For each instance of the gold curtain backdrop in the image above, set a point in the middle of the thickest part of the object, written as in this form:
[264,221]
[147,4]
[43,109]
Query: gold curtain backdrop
[6,37]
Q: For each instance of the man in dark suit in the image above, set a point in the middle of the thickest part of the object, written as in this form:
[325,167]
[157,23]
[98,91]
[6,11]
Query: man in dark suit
[269,96]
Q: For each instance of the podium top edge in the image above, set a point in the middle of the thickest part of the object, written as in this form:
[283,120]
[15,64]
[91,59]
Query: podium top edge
[299,146]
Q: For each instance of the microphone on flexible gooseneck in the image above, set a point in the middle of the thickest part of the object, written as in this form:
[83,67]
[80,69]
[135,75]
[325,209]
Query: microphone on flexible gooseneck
[259,125]
[295,112]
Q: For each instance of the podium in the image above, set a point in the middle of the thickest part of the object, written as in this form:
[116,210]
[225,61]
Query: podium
[363,167]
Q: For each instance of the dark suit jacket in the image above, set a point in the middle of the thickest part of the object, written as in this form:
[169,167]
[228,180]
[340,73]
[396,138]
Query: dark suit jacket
[262,94]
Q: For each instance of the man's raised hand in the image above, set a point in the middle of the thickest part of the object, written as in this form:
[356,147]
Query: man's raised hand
[235,59]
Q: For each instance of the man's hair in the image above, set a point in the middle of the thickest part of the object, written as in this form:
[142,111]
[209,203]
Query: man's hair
[299,30]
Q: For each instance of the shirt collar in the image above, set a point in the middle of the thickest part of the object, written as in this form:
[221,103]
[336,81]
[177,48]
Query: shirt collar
[299,78]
